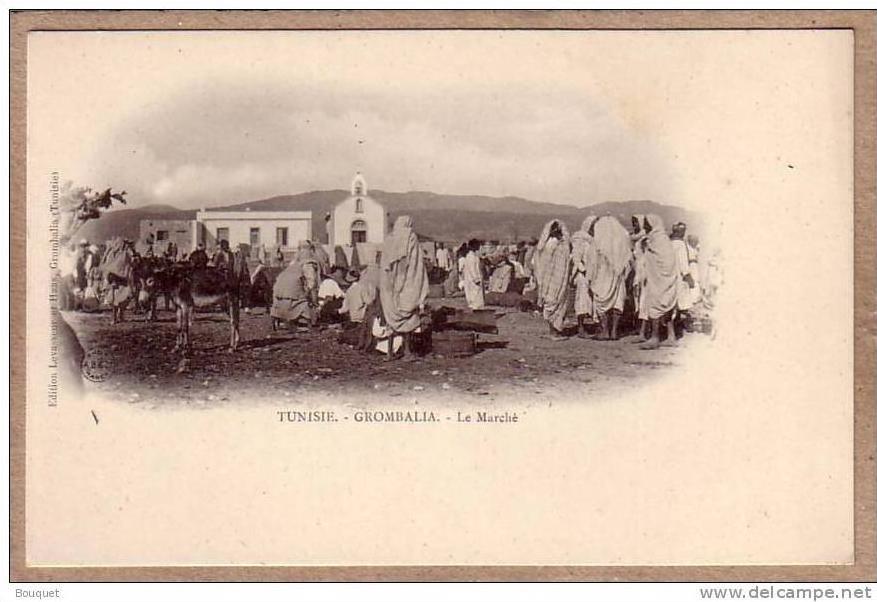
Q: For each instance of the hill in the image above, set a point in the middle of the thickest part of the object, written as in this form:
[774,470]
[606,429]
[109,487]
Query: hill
[460,217]
[436,216]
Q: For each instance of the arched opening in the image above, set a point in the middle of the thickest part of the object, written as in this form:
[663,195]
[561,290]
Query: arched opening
[358,232]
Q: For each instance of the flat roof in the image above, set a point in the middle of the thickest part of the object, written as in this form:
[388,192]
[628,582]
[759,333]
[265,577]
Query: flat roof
[253,215]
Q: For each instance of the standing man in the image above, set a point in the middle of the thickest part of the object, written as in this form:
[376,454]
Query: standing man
[222,257]
[693,243]
[443,258]
[584,303]
[639,240]
[607,264]
[686,282]
[403,284]
[81,270]
[472,277]
[322,260]
[237,277]
[148,244]
[552,268]
[661,281]
[198,257]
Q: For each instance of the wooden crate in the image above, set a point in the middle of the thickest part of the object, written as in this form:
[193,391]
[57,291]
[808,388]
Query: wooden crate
[454,344]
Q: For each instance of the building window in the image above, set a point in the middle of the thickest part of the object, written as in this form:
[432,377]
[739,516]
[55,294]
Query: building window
[161,235]
[358,232]
[358,205]
[255,237]
[282,238]
[221,234]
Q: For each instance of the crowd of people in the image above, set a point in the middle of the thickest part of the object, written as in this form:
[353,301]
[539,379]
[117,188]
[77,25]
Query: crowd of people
[379,308]
[602,272]
[595,276]
[86,274]
[598,274]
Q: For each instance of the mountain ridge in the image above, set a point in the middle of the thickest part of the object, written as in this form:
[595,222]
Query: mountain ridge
[437,216]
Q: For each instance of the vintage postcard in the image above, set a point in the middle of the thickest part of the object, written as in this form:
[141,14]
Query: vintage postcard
[371,294]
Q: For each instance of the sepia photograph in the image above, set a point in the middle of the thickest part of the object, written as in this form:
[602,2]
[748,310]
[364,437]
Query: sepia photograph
[451,297]
[370,230]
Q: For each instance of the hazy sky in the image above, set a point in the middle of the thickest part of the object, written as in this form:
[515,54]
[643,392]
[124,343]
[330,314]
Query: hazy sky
[203,118]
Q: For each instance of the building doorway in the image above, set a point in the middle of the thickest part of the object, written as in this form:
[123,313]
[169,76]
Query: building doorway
[358,232]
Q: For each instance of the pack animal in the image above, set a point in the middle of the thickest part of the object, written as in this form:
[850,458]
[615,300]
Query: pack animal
[153,278]
[190,287]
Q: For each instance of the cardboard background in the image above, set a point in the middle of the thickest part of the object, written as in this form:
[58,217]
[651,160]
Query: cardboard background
[863,23]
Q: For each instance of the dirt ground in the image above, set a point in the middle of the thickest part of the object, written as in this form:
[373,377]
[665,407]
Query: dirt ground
[521,361]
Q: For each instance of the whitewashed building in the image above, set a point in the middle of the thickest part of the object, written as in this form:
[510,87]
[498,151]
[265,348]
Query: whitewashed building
[358,222]
[183,233]
[272,229]
[358,218]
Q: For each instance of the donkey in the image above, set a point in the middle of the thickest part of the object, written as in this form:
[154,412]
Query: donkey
[153,277]
[192,287]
